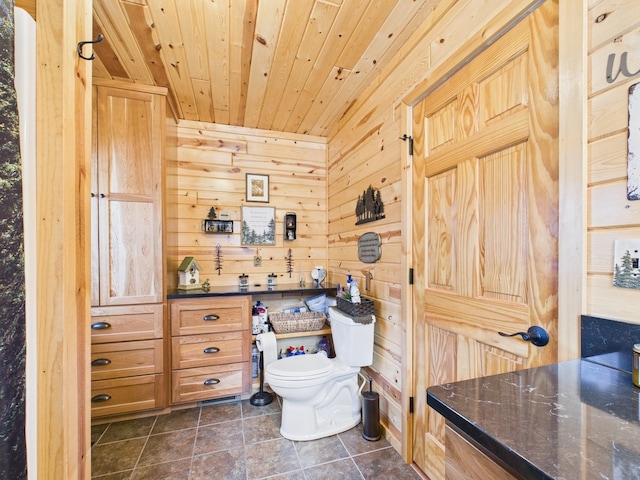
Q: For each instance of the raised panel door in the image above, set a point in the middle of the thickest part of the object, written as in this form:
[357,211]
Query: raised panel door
[128,199]
[486,140]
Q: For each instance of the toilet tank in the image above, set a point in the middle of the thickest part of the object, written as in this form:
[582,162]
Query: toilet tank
[352,341]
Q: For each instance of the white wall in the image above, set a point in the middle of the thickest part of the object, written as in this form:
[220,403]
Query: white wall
[25,82]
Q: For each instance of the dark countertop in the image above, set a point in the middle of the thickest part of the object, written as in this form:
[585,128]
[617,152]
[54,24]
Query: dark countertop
[572,420]
[260,289]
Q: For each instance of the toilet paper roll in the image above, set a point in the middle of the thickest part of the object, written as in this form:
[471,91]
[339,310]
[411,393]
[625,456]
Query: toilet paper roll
[267,344]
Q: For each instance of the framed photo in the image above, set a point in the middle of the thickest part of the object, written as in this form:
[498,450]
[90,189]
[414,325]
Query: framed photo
[258,226]
[257,188]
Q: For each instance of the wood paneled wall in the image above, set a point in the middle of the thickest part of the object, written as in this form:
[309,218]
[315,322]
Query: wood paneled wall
[206,167]
[365,149]
[610,216]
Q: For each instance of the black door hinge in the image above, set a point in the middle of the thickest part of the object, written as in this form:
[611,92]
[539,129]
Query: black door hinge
[406,137]
[410,404]
[411,276]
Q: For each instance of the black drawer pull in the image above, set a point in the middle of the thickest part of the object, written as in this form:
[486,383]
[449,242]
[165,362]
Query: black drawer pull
[211,350]
[100,325]
[211,381]
[100,362]
[211,317]
[103,397]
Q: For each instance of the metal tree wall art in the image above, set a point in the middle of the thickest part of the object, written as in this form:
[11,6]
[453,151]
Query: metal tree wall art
[369,206]
[218,258]
[289,263]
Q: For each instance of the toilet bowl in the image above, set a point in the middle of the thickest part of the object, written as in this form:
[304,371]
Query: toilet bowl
[321,396]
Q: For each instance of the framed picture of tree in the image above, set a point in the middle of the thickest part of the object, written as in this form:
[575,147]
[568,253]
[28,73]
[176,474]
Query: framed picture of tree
[626,267]
[258,226]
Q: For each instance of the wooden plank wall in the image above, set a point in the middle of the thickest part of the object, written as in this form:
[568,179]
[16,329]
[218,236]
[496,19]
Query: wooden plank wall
[206,166]
[365,149]
[612,31]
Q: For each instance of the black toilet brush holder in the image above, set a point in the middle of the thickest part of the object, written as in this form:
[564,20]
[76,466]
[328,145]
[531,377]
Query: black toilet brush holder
[371,414]
[261,398]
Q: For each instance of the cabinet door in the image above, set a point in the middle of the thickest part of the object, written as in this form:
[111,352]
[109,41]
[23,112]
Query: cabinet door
[129,179]
[122,324]
[207,315]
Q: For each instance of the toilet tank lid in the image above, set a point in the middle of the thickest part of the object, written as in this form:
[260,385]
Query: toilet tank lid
[303,366]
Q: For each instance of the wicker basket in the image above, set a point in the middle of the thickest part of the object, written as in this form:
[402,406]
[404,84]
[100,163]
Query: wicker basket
[356,309]
[297,322]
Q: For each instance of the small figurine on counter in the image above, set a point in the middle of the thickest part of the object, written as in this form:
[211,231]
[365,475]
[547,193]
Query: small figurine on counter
[206,286]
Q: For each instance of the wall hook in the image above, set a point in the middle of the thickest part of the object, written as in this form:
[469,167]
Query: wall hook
[406,137]
[82,44]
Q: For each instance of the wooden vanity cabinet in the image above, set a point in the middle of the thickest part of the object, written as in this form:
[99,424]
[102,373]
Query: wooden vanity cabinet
[465,461]
[127,359]
[129,352]
[210,348]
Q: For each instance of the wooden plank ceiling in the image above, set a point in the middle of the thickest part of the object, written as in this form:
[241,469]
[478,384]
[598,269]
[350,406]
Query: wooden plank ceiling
[284,65]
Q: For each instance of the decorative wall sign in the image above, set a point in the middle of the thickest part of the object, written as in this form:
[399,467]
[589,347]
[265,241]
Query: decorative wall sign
[369,206]
[369,250]
[257,188]
[626,268]
[258,226]
[217,226]
[633,144]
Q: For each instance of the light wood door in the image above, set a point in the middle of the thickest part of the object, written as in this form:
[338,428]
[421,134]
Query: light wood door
[486,181]
[127,198]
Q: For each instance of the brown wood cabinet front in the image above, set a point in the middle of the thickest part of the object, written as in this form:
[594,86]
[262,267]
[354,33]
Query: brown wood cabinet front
[127,268]
[126,197]
[464,461]
[210,348]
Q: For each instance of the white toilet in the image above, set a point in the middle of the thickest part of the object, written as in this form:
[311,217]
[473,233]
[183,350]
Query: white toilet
[321,396]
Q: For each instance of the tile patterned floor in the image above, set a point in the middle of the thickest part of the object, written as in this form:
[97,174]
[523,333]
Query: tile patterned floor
[234,440]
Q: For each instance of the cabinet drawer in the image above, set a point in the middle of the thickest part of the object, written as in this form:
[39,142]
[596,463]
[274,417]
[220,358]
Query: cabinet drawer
[121,324]
[217,315]
[126,359]
[215,349]
[125,395]
[196,384]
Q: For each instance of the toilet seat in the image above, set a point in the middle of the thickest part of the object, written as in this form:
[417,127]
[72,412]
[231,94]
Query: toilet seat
[301,367]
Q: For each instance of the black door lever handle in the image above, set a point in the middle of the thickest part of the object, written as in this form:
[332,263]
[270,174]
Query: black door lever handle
[536,335]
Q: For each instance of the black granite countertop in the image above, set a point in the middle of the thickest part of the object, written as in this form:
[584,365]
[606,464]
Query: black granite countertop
[572,420]
[255,289]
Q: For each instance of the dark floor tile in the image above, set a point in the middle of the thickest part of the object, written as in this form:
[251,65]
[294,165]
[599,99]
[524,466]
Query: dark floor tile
[222,412]
[178,420]
[249,410]
[319,451]
[115,476]
[96,432]
[260,429]
[386,463]
[340,470]
[356,444]
[219,436]
[274,457]
[167,447]
[128,429]
[295,475]
[178,470]
[115,456]
[225,464]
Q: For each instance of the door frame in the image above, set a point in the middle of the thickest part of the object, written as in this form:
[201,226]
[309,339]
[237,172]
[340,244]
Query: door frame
[572,248]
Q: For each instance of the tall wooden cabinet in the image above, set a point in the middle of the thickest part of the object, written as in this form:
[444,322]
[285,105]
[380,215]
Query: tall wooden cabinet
[127,269]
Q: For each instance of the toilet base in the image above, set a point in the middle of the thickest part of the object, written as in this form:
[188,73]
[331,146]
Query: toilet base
[336,412]
[341,423]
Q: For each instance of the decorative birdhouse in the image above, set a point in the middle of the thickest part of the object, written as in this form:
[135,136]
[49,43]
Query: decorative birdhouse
[189,274]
